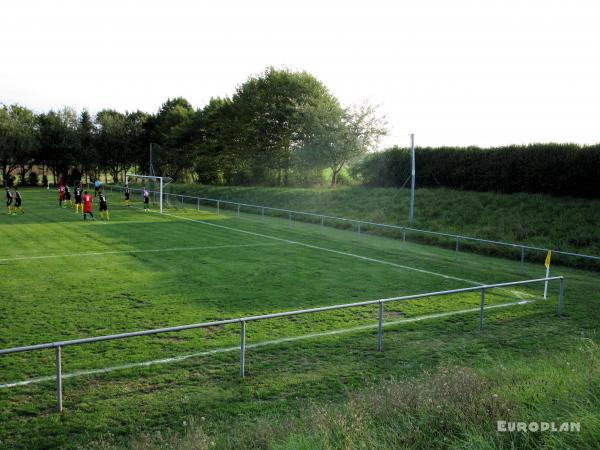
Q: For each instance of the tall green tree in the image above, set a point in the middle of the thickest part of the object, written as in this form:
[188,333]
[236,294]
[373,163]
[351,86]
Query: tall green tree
[18,139]
[59,142]
[270,119]
[336,136]
[87,156]
[7,160]
[172,157]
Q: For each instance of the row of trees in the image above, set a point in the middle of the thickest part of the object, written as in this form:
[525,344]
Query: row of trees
[279,128]
[67,144]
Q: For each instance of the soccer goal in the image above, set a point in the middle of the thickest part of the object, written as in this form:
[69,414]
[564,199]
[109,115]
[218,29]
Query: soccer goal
[155,184]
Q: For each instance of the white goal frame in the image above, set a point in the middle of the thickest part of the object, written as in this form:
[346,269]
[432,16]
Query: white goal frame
[151,177]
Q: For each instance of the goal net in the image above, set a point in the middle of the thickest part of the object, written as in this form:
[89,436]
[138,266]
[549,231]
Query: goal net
[138,185]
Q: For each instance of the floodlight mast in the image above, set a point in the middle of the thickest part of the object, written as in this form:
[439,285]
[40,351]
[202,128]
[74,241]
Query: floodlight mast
[412,179]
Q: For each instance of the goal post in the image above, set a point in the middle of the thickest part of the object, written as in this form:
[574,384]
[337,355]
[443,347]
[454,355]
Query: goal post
[162,181]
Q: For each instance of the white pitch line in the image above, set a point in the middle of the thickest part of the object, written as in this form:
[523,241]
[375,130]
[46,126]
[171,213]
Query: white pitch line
[257,345]
[118,252]
[338,252]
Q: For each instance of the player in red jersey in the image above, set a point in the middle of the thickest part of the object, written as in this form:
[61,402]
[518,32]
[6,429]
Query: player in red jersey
[61,195]
[87,205]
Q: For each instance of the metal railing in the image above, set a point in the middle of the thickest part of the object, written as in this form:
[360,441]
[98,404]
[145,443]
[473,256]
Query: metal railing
[243,320]
[360,225]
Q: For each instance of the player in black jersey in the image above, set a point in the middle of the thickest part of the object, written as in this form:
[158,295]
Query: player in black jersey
[18,202]
[103,206]
[78,199]
[9,200]
[68,195]
[126,195]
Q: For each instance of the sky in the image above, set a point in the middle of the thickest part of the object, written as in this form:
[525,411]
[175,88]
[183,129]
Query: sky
[453,72]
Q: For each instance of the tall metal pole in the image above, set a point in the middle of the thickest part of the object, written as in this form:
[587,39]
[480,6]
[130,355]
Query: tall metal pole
[151,168]
[161,194]
[412,179]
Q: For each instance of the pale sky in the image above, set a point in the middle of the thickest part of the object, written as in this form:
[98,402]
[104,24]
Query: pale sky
[454,72]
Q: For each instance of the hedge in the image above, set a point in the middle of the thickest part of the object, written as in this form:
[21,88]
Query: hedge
[557,169]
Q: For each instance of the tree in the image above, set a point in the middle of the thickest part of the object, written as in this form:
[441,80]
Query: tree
[336,136]
[18,139]
[58,140]
[7,160]
[270,120]
[87,157]
[166,129]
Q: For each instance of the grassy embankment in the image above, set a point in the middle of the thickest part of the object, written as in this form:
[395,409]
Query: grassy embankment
[568,224]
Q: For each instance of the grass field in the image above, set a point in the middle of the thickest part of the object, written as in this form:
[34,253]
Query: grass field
[63,278]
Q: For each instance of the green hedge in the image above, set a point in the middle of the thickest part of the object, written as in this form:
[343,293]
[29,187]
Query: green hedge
[557,169]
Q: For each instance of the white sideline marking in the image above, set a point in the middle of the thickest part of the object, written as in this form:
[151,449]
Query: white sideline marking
[338,252]
[117,252]
[257,345]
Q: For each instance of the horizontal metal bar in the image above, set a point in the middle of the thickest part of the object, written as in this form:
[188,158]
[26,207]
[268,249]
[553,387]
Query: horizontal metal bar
[266,316]
[398,227]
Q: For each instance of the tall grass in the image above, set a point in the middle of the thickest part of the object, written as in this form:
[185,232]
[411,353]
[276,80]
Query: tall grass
[454,407]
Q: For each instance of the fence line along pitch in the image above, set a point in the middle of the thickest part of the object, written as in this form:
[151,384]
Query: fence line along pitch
[57,346]
[289,213]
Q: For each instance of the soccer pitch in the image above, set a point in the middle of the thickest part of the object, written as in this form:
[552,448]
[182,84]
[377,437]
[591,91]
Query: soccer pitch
[63,278]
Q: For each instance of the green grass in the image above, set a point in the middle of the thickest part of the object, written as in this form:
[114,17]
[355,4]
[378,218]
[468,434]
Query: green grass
[63,278]
[568,224]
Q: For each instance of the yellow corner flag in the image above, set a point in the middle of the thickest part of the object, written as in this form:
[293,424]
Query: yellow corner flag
[548,257]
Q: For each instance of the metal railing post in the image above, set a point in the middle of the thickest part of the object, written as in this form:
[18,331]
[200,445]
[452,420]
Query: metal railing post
[380,328]
[243,349]
[238,210]
[198,207]
[262,215]
[358,229]
[59,400]
[403,236]
[322,223]
[218,207]
[290,219]
[481,309]
[561,297]
[457,247]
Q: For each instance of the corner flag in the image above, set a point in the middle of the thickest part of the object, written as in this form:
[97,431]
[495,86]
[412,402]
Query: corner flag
[548,257]
[547,264]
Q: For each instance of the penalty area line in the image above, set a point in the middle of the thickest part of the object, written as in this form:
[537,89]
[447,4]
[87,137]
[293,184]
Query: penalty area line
[257,345]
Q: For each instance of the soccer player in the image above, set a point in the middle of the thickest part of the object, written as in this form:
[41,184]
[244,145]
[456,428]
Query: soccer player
[61,195]
[18,202]
[103,206]
[9,200]
[78,194]
[97,186]
[146,199]
[87,205]
[126,195]
[68,195]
